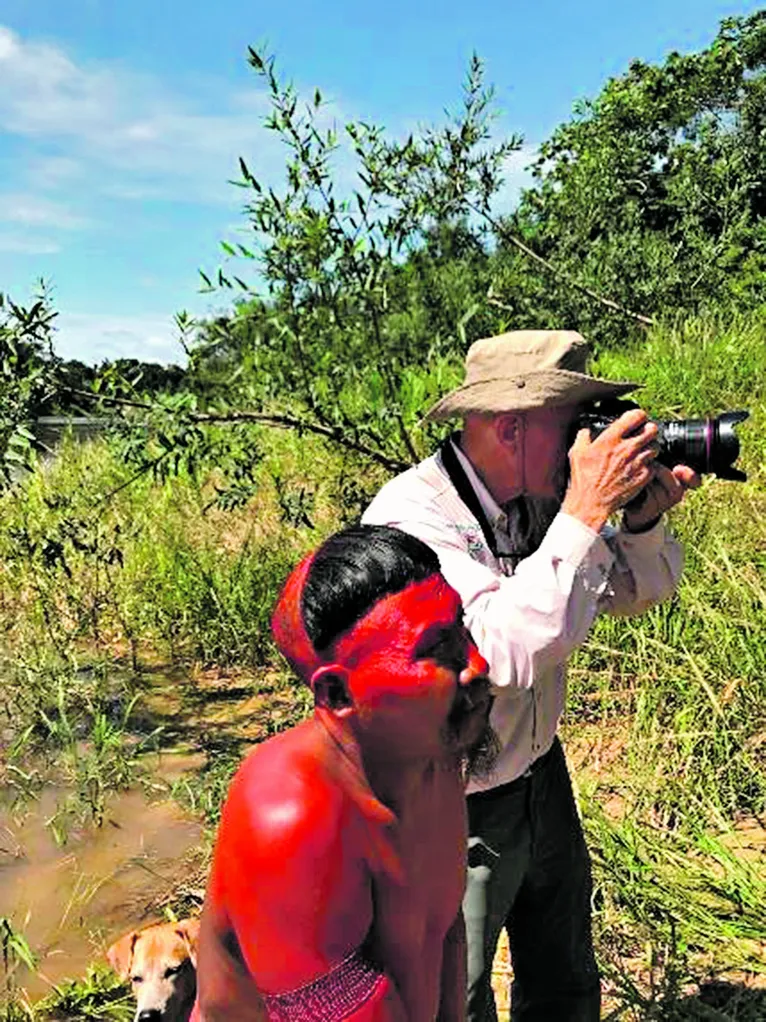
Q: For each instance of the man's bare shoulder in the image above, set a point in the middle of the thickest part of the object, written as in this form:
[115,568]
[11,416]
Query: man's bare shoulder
[283,794]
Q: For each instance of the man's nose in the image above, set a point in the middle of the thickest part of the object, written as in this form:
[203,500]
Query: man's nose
[476,667]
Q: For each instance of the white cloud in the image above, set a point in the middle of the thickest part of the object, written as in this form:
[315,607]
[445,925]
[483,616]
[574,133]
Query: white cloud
[44,93]
[53,171]
[92,338]
[8,44]
[128,128]
[515,178]
[36,211]
[28,245]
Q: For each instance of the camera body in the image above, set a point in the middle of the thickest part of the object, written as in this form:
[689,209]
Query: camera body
[706,445]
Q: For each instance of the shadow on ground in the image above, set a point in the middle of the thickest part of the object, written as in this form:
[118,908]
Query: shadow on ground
[198,710]
[722,1000]
[716,1001]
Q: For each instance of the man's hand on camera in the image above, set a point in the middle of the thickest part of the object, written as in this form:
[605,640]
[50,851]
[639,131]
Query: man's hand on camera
[606,473]
[666,488]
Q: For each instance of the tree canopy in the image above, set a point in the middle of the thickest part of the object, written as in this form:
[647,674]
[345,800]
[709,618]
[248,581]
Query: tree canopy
[655,192]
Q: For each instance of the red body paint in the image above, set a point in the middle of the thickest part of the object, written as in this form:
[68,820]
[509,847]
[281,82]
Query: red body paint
[349,830]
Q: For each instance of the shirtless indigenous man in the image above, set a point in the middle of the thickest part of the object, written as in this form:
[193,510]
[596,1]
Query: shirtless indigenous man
[340,860]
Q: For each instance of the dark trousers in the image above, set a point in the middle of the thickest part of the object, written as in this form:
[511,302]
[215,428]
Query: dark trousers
[529,871]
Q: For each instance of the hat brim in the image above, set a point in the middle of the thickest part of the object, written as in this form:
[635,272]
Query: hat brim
[543,389]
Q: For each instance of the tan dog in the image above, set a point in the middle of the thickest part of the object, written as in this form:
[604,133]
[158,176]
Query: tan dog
[160,962]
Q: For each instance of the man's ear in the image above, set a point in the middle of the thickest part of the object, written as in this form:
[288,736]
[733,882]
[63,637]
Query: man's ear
[329,684]
[508,429]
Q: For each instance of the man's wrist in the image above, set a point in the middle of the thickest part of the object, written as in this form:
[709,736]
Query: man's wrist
[636,528]
[594,517]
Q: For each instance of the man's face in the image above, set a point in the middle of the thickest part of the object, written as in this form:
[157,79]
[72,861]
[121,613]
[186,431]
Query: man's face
[546,449]
[416,679]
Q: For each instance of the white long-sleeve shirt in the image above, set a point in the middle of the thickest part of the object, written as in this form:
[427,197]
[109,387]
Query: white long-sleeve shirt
[526,622]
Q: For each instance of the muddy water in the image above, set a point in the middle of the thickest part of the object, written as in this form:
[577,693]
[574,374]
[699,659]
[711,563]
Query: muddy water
[71,902]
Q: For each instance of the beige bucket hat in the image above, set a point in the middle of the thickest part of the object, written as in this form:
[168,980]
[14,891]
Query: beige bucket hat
[526,369]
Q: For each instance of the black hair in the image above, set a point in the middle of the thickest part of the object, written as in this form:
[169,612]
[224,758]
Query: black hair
[354,569]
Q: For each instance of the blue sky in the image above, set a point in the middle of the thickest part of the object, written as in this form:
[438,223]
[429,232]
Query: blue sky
[121,121]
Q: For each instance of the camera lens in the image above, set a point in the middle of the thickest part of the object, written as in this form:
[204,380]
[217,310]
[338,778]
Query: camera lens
[706,445]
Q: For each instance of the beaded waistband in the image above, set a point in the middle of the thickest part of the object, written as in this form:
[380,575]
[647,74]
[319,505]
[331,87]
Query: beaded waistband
[330,998]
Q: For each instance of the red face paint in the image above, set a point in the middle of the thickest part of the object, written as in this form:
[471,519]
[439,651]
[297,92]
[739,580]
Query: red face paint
[404,661]
[287,623]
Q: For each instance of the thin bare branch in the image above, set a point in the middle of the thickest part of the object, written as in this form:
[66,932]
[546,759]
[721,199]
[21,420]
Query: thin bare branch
[609,303]
[93,396]
[288,422]
[278,421]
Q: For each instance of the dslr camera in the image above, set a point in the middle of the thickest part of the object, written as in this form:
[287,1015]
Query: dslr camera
[706,445]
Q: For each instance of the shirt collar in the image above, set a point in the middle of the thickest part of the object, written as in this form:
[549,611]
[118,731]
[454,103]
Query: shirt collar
[492,510]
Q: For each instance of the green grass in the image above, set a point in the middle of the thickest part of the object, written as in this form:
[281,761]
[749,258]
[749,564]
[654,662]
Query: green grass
[691,674]
[98,997]
[92,593]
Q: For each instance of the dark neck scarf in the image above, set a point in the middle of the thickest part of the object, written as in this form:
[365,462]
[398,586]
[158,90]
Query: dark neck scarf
[529,518]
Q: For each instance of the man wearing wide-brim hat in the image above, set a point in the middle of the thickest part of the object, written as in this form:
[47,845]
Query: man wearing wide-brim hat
[518,514]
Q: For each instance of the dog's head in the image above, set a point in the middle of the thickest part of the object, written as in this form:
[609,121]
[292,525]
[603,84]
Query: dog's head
[160,963]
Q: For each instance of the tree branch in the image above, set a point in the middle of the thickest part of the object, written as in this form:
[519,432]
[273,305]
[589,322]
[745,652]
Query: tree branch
[560,274]
[278,421]
[93,396]
[288,422]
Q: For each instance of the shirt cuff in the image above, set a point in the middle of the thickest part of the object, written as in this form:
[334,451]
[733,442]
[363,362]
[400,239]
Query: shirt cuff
[574,542]
[648,542]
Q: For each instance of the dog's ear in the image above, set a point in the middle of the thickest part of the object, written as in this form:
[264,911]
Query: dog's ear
[188,931]
[120,954]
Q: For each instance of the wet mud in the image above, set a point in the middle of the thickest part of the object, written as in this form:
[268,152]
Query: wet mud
[71,902]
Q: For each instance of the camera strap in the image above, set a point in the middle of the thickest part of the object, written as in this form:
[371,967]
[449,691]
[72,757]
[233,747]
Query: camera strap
[467,494]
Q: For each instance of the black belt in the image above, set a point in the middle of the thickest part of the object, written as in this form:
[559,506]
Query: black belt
[518,782]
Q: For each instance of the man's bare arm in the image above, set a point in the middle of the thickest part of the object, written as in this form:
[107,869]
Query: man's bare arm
[453,978]
[225,988]
[288,898]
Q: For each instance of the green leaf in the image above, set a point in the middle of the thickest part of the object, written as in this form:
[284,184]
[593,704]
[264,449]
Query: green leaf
[255,59]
